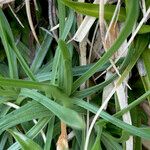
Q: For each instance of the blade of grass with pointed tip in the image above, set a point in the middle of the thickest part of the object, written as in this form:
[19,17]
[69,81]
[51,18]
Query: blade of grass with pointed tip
[67,69]
[33,132]
[67,115]
[5,32]
[41,53]
[64,35]
[12,45]
[28,11]
[68,25]
[144,29]
[25,142]
[24,64]
[56,70]
[93,9]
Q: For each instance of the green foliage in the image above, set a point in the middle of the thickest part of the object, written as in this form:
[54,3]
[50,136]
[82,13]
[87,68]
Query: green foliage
[24,141]
[40,83]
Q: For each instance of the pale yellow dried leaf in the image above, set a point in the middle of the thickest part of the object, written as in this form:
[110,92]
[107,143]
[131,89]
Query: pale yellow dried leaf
[28,11]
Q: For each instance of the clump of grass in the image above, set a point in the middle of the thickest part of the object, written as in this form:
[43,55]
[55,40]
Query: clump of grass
[74,82]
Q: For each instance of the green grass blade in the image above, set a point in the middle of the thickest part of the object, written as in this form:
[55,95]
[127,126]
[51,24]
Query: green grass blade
[5,32]
[68,25]
[129,128]
[133,104]
[4,71]
[9,39]
[49,135]
[25,51]
[64,35]
[41,53]
[129,23]
[67,67]
[8,93]
[23,63]
[62,15]
[33,132]
[30,111]
[25,142]
[23,84]
[55,66]
[46,74]
[3,140]
[67,115]
[141,44]
[146,68]
[97,143]
[93,9]
[4,110]
[144,29]
[91,90]
[110,143]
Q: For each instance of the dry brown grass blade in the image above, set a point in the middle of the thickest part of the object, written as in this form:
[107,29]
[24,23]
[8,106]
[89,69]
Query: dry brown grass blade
[35,4]
[28,11]
[2,2]
[96,116]
[51,14]
[16,16]
[6,1]
[95,44]
[107,89]
[62,143]
[110,36]
[121,92]
[84,27]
